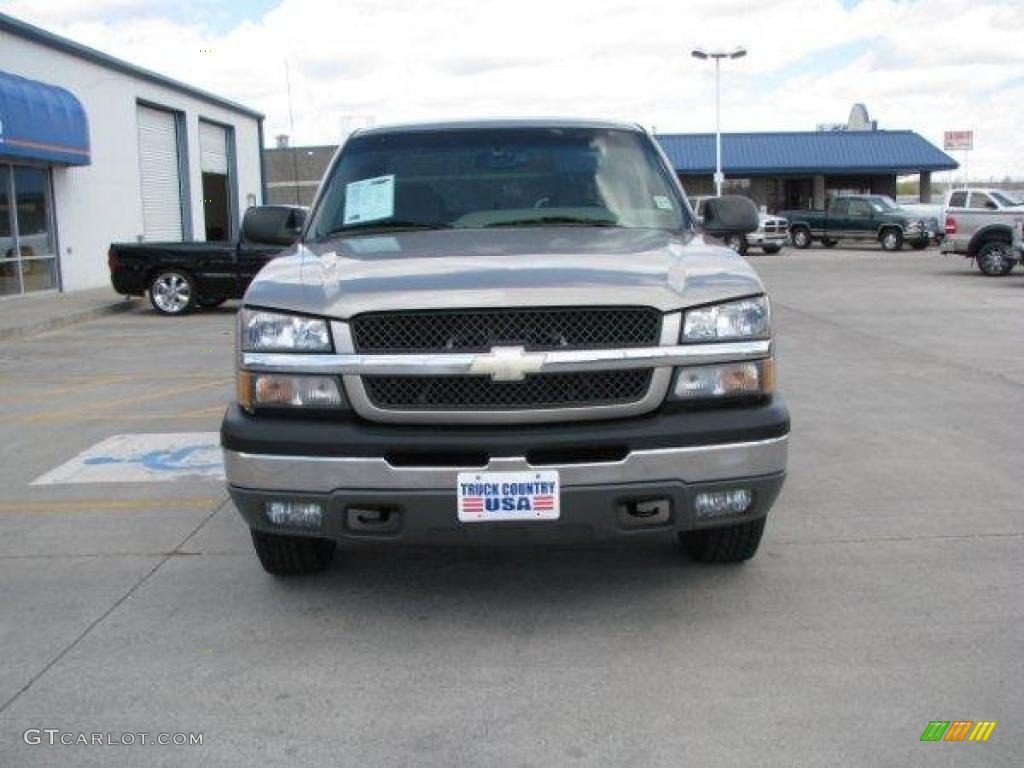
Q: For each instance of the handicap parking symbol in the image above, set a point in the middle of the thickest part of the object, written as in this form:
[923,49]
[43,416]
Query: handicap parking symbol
[143,458]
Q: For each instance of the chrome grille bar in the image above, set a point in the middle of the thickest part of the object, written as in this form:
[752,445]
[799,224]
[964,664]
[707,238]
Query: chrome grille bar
[554,361]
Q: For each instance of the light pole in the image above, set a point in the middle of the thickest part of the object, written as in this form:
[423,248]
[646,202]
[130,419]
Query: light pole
[718,55]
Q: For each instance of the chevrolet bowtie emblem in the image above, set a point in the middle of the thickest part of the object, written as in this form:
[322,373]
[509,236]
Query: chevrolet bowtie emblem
[508,363]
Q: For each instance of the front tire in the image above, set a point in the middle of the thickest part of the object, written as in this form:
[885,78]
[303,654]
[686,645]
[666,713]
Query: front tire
[920,245]
[891,240]
[801,237]
[737,243]
[729,544]
[292,555]
[995,259]
[172,292]
[206,303]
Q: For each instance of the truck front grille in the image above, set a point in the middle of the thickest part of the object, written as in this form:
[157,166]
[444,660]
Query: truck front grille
[536,391]
[479,330]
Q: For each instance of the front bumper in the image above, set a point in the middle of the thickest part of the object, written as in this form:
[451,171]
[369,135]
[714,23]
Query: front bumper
[667,455]
[918,236]
[760,239]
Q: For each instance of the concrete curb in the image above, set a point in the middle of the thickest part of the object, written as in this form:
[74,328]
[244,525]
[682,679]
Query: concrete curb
[71,318]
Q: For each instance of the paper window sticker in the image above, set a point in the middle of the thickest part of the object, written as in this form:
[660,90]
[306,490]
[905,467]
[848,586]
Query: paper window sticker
[370,199]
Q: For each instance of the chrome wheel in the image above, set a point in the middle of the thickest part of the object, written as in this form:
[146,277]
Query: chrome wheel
[171,292]
[892,240]
[801,237]
[995,259]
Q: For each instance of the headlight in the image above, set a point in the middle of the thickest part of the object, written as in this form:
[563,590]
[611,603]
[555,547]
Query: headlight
[730,321]
[275,390]
[702,382]
[277,332]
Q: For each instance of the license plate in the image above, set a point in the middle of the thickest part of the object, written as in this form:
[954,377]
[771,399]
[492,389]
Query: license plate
[486,496]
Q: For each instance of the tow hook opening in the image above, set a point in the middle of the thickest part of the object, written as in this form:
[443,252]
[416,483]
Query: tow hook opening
[372,519]
[636,513]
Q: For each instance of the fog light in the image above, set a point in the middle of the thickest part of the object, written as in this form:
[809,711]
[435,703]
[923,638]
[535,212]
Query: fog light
[301,515]
[722,503]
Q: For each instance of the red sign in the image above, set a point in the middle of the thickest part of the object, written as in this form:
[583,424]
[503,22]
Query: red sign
[958,140]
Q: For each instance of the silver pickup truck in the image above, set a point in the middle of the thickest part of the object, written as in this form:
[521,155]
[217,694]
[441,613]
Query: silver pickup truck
[771,235]
[505,332]
[986,225]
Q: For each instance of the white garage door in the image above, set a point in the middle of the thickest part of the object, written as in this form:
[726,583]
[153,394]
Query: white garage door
[213,148]
[159,174]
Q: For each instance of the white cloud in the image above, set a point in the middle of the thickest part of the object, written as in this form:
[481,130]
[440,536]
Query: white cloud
[928,66]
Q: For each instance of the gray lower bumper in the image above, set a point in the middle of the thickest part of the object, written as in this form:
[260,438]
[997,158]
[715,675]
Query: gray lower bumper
[760,238]
[593,496]
[324,474]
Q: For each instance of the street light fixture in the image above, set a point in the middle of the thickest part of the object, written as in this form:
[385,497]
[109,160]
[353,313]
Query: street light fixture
[718,55]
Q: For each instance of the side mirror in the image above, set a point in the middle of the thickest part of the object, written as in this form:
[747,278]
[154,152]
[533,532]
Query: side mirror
[730,215]
[273,224]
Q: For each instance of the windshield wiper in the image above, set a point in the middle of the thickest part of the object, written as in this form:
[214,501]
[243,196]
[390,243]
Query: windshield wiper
[559,220]
[385,226]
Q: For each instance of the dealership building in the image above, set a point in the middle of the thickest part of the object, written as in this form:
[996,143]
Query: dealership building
[801,169]
[95,150]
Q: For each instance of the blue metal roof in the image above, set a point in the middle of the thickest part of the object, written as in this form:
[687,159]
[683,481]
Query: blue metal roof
[805,152]
[41,122]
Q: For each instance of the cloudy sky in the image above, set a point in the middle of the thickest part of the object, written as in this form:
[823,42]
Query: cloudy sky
[929,65]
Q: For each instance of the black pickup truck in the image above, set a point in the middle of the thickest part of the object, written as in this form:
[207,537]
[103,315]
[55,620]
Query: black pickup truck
[181,276]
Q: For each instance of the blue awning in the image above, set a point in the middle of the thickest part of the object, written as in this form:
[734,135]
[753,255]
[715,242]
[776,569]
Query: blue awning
[806,152]
[41,122]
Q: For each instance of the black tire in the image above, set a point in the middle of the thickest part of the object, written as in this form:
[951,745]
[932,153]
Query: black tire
[292,555]
[729,544]
[891,239]
[737,243]
[206,303]
[995,259]
[172,292]
[829,242]
[801,237]
[920,245]
[772,249]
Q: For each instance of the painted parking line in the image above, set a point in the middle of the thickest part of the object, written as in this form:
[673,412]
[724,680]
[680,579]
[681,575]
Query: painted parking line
[40,506]
[85,411]
[158,457]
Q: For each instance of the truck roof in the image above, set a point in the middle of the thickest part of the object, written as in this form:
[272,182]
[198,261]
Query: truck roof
[986,190]
[484,123]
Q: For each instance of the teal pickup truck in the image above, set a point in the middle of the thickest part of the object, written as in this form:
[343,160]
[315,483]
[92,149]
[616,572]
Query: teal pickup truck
[864,218]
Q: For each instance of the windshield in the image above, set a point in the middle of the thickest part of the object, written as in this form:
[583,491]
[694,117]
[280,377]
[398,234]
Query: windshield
[1004,199]
[883,204]
[478,178]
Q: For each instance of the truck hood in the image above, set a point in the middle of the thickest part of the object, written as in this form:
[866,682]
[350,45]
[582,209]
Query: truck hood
[474,268]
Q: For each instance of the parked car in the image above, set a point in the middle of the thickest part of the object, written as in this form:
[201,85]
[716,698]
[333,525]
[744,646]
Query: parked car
[770,236]
[181,276]
[505,331]
[986,225]
[860,218]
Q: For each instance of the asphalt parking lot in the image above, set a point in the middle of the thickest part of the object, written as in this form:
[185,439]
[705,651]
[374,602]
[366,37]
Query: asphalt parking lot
[887,592]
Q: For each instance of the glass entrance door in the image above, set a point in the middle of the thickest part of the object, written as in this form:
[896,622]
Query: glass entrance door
[28,255]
